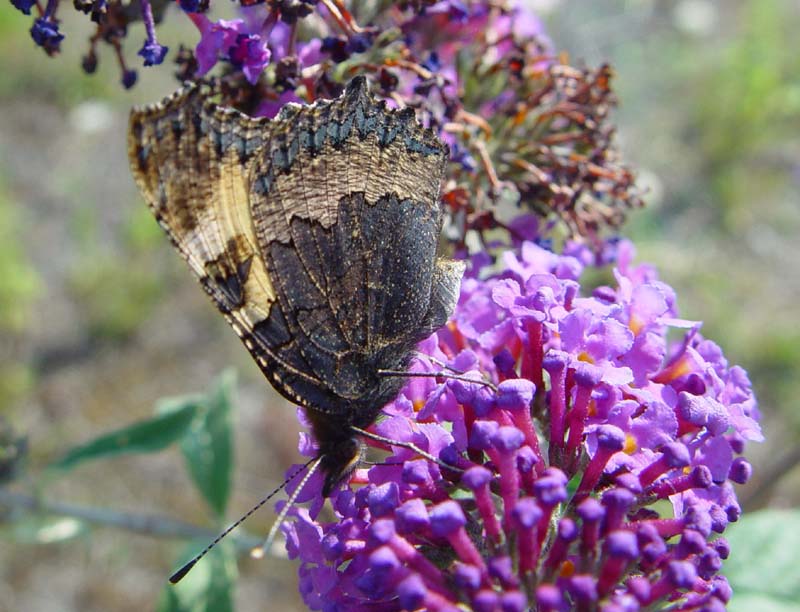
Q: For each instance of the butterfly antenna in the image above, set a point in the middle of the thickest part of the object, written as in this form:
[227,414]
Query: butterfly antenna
[448,375]
[260,551]
[409,445]
[178,576]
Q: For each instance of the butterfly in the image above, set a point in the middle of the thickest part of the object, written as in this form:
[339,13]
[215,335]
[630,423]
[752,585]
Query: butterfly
[315,234]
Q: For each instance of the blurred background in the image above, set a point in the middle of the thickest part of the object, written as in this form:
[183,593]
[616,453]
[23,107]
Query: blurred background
[99,318]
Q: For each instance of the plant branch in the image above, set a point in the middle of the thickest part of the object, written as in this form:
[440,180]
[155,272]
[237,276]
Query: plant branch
[146,524]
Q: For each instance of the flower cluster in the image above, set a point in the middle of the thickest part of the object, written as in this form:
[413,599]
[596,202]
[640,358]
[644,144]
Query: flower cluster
[525,129]
[586,462]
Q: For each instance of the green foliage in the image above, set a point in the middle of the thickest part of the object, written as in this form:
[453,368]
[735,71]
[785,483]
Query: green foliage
[170,425]
[19,281]
[749,102]
[763,568]
[201,426]
[20,286]
[208,447]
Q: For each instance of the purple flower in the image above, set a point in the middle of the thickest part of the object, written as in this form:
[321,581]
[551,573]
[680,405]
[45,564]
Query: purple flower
[250,53]
[232,41]
[216,38]
[630,429]
[23,5]
[152,52]
[45,34]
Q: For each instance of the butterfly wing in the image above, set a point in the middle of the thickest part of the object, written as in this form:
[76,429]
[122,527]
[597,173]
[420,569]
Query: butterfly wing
[314,233]
[191,161]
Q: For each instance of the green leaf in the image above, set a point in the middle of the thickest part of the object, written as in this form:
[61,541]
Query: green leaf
[208,445]
[174,418]
[762,568]
[208,587]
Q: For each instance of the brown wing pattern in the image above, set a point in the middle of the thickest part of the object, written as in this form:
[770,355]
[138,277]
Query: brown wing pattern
[191,161]
[314,233]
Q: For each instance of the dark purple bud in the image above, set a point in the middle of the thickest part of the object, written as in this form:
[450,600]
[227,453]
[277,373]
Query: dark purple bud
[721,589]
[507,439]
[502,569]
[467,577]
[719,519]
[332,546]
[714,605]
[358,43]
[722,547]
[153,53]
[480,437]
[526,459]
[191,6]
[486,601]
[639,586]
[412,516]
[45,34]
[557,474]
[591,510]
[737,443]
[567,530]
[628,480]
[650,542]
[740,471]
[382,530]
[513,601]
[416,472]
[698,518]
[701,477]
[526,513]
[621,543]
[411,592]
[447,518]
[128,79]
[583,589]
[695,385]
[733,511]
[89,62]
[676,454]
[23,5]
[587,375]
[476,477]
[450,454]
[383,560]
[383,499]
[515,394]
[610,437]
[505,362]
[618,499]
[555,361]
[549,598]
[709,564]
[681,574]
[550,490]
